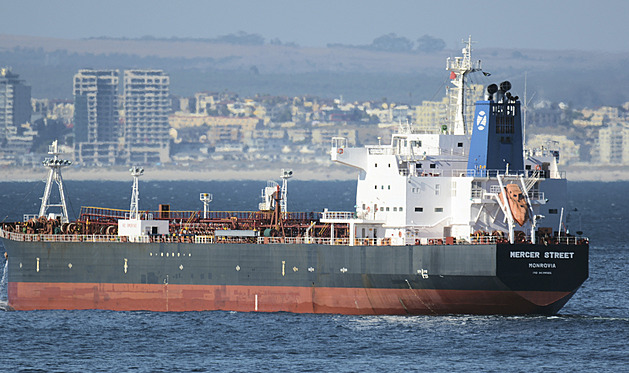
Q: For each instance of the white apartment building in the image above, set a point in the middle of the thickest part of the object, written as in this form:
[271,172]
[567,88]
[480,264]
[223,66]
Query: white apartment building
[146,106]
[613,142]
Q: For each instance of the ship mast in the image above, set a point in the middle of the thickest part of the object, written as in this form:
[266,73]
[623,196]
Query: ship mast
[55,164]
[459,68]
[286,174]
[136,172]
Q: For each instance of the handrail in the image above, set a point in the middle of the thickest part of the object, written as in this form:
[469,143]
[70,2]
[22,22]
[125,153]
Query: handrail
[207,239]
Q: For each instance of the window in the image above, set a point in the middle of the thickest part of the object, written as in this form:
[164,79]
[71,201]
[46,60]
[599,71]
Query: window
[389,165]
[387,209]
[375,187]
[389,187]
[375,165]
[477,189]
[401,209]
[363,206]
[381,208]
[382,187]
[432,165]
[419,209]
[437,189]
[395,209]
[460,145]
[552,211]
[438,209]
[419,165]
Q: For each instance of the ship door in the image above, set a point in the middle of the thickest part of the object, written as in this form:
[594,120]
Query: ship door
[447,231]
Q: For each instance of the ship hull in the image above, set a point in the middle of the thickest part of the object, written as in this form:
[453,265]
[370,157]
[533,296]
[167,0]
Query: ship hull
[431,279]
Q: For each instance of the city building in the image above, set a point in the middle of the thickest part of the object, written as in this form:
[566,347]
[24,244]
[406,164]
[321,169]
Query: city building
[96,121]
[15,109]
[146,108]
[613,144]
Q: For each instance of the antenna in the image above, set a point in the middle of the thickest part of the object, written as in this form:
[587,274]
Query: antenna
[136,172]
[286,174]
[55,164]
[206,198]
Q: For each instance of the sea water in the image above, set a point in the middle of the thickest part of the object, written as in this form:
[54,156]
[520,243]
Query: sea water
[589,334]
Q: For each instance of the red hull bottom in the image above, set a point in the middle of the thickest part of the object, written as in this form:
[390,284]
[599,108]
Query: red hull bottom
[349,301]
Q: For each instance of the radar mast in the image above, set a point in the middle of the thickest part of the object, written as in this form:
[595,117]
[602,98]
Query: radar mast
[459,68]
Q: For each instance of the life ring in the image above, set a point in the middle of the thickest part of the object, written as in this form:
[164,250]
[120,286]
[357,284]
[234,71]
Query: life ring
[368,208]
[340,151]
[400,233]
[538,167]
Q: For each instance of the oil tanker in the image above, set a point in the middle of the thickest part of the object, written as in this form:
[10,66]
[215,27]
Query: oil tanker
[458,220]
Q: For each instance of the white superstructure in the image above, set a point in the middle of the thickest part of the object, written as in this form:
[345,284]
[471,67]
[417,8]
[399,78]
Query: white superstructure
[422,188]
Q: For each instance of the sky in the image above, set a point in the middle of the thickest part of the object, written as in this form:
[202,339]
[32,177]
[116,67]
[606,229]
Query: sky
[589,25]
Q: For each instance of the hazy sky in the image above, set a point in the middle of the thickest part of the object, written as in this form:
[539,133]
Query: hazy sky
[545,24]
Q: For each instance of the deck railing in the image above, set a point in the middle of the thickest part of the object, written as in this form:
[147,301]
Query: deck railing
[207,239]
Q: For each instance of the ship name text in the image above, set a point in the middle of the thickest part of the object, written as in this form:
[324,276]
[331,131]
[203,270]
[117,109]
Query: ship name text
[537,255]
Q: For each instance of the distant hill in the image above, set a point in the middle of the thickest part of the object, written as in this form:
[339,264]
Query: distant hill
[576,77]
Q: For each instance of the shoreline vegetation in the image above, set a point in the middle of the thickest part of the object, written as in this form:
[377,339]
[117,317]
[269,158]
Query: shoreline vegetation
[229,172]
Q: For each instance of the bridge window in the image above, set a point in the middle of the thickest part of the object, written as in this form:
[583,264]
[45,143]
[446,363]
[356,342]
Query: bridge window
[552,211]
[432,165]
[438,209]
[419,209]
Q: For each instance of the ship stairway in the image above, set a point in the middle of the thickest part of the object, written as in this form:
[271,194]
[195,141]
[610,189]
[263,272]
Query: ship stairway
[530,181]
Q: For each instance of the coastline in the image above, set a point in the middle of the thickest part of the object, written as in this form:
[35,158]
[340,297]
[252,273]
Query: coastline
[316,172]
[227,173]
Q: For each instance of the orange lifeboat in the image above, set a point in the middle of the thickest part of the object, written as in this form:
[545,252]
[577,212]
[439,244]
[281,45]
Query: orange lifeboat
[517,203]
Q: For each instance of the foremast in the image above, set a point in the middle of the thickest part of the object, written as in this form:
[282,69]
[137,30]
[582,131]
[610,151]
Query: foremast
[54,175]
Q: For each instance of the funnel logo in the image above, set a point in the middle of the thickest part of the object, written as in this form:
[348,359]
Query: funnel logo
[481,120]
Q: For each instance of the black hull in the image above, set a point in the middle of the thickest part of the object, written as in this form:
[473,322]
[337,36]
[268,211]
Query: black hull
[435,279]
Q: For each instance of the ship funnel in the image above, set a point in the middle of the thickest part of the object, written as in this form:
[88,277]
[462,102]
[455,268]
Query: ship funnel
[491,89]
[502,92]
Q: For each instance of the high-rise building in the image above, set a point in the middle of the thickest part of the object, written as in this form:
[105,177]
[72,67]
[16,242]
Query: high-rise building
[96,106]
[96,121]
[147,105]
[15,103]
[613,143]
